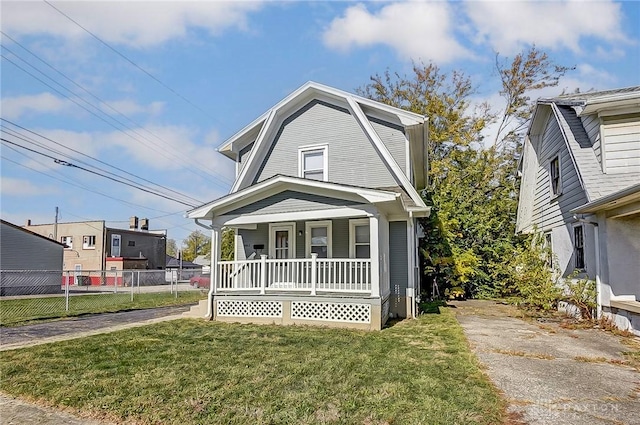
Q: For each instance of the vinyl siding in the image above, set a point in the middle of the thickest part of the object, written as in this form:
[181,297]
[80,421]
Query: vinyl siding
[352,158]
[547,212]
[339,236]
[255,237]
[393,138]
[21,250]
[291,201]
[622,146]
[398,257]
[591,124]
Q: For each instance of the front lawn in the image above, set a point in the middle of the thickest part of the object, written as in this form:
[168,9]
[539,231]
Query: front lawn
[28,310]
[190,371]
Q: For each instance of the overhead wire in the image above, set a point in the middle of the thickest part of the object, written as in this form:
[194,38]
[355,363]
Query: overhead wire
[117,52]
[106,104]
[74,184]
[69,164]
[31,140]
[164,154]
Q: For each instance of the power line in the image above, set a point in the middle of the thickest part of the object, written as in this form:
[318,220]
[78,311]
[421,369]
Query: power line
[73,184]
[29,139]
[114,50]
[95,114]
[103,102]
[69,164]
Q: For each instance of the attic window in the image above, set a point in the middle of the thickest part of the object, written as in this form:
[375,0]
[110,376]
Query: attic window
[554,176]
[313,162]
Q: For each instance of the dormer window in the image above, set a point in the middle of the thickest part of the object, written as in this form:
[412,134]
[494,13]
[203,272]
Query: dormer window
[313,162]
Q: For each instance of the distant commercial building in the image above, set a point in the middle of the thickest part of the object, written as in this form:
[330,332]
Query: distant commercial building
[91,245]
[30,263]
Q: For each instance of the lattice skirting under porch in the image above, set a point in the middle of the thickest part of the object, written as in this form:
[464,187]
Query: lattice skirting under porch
[356,313]
[231,308]
[334,312]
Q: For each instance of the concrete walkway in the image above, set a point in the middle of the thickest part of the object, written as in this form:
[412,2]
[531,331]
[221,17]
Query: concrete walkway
[552,375]
[81,326]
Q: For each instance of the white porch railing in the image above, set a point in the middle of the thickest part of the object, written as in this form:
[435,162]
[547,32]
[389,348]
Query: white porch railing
[300,274]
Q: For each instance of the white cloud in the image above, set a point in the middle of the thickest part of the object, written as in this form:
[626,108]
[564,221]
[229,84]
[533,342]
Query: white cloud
[134,23]
[416,30]
[21,187]
[509,26]
[15,107]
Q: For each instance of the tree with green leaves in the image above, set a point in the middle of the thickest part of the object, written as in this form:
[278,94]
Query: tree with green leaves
[172,248]
[197,243]
[472,188]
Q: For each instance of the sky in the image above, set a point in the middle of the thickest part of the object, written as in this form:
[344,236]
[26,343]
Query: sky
[145,91]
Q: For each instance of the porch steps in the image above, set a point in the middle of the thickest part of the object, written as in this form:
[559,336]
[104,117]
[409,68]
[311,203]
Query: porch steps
[198,311]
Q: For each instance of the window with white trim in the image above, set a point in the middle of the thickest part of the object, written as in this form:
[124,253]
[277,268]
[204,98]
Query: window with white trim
[578,247]
[89,242]
[313,162]
[359,238]
[555,177]
[67,241]
[318,238]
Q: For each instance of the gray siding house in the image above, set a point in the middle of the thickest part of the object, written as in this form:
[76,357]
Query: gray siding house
[581,188]
[22,251]
[324,208]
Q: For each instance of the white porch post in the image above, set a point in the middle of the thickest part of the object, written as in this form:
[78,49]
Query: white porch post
[263,273]
[314,272]
[216,242]
[374,247]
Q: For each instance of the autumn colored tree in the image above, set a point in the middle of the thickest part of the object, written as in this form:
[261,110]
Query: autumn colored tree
[472,188]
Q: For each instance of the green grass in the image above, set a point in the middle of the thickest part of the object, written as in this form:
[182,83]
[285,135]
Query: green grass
[189,371]
[21,311]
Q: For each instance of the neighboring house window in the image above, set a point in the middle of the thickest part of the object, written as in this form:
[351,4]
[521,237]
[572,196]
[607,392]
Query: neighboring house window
[359,239]
[548,249]
[313,163]
[89,242]
[578,246]
[319,238]
[554,174]
[132,243]
[68,241]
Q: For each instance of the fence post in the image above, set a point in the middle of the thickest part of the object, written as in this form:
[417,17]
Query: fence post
[314,272]
[132,285]
[263,273]
[66,291]
[138,281]
[115,283]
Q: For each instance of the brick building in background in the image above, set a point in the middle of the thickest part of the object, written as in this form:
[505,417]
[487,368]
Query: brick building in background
[91,245]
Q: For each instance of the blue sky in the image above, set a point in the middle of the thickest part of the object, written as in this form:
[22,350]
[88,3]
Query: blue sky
[234,60]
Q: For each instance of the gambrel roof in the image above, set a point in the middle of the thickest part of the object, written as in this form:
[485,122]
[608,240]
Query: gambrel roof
[569,111]
[258,136]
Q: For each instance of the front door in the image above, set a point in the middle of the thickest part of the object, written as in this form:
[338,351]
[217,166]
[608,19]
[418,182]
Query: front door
[281,248]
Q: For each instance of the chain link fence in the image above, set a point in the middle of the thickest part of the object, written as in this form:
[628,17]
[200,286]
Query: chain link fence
[28,295]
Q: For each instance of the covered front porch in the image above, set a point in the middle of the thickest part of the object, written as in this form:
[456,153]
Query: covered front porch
[313,252]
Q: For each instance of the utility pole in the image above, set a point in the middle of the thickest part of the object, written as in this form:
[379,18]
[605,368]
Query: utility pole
[55,227]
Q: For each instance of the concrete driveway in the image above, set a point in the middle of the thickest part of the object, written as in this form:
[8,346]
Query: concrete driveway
[552,375]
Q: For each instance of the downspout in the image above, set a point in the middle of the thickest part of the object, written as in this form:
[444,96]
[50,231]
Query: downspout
[212,283]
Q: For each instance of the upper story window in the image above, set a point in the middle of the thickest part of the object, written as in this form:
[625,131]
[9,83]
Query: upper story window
[578,247]
[313,162]
[554,176]
[89,242]
[67,241]
[318,238]
[359,238]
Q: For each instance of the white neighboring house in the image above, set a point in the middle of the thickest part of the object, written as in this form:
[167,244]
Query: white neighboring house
[324,207]
[581,188]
